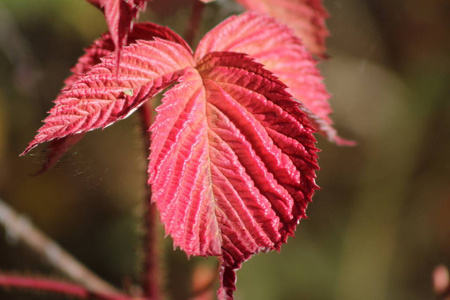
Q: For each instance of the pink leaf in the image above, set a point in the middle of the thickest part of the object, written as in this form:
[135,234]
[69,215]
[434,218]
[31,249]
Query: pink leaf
[98,98]
[233,156]
[277,47]
[232,162]
[100,48]
[105,46]
[119,15]
[306,17]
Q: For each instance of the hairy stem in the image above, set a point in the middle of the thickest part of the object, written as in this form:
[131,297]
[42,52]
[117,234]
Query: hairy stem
[22,229]
[194,22]
[55,286]
[151,276]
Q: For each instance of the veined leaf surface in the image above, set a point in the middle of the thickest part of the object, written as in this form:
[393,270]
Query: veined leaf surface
[280,51]
[305,17]
[98,98]
[119,15]
[102,47]
[233,157]
[232,162]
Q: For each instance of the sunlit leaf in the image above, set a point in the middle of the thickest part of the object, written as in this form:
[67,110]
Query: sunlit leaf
[104,46]
[306,17]
[232,162]
[100,48]
[98,98]
[233,157]
[281,51]
[119,15]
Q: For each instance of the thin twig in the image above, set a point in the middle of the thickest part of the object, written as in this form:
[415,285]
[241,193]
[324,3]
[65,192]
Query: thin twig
[21,228]
[151,276]
[55,286]
[194,21]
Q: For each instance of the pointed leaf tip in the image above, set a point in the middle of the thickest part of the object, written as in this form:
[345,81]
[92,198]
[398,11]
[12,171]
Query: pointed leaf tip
[119,16]
[277,47]
[97,98]
[232,162]
[102,47]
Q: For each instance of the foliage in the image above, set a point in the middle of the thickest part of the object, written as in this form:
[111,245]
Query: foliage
[232,153]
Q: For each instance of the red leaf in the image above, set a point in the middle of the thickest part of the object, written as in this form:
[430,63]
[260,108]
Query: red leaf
[105,46]
[232,162]
[306,17]
[100,48]
[98,98]
[233,156]
[277,47]
[119,15]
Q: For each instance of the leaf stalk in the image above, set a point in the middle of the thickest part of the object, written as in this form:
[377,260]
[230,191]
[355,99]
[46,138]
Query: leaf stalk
[151,279]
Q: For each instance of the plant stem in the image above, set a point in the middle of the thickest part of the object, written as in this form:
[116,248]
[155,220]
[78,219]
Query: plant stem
[151,271]
[22,229]
[56,286]
[194,21]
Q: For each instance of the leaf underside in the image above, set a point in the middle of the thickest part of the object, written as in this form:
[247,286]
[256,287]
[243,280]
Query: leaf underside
[98,98]
[305,17]
[100,48]
[104,46]
[119,15]
[232,162]
[233,157]
[280,51]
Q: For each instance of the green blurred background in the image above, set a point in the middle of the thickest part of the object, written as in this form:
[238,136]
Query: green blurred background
[375,231]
